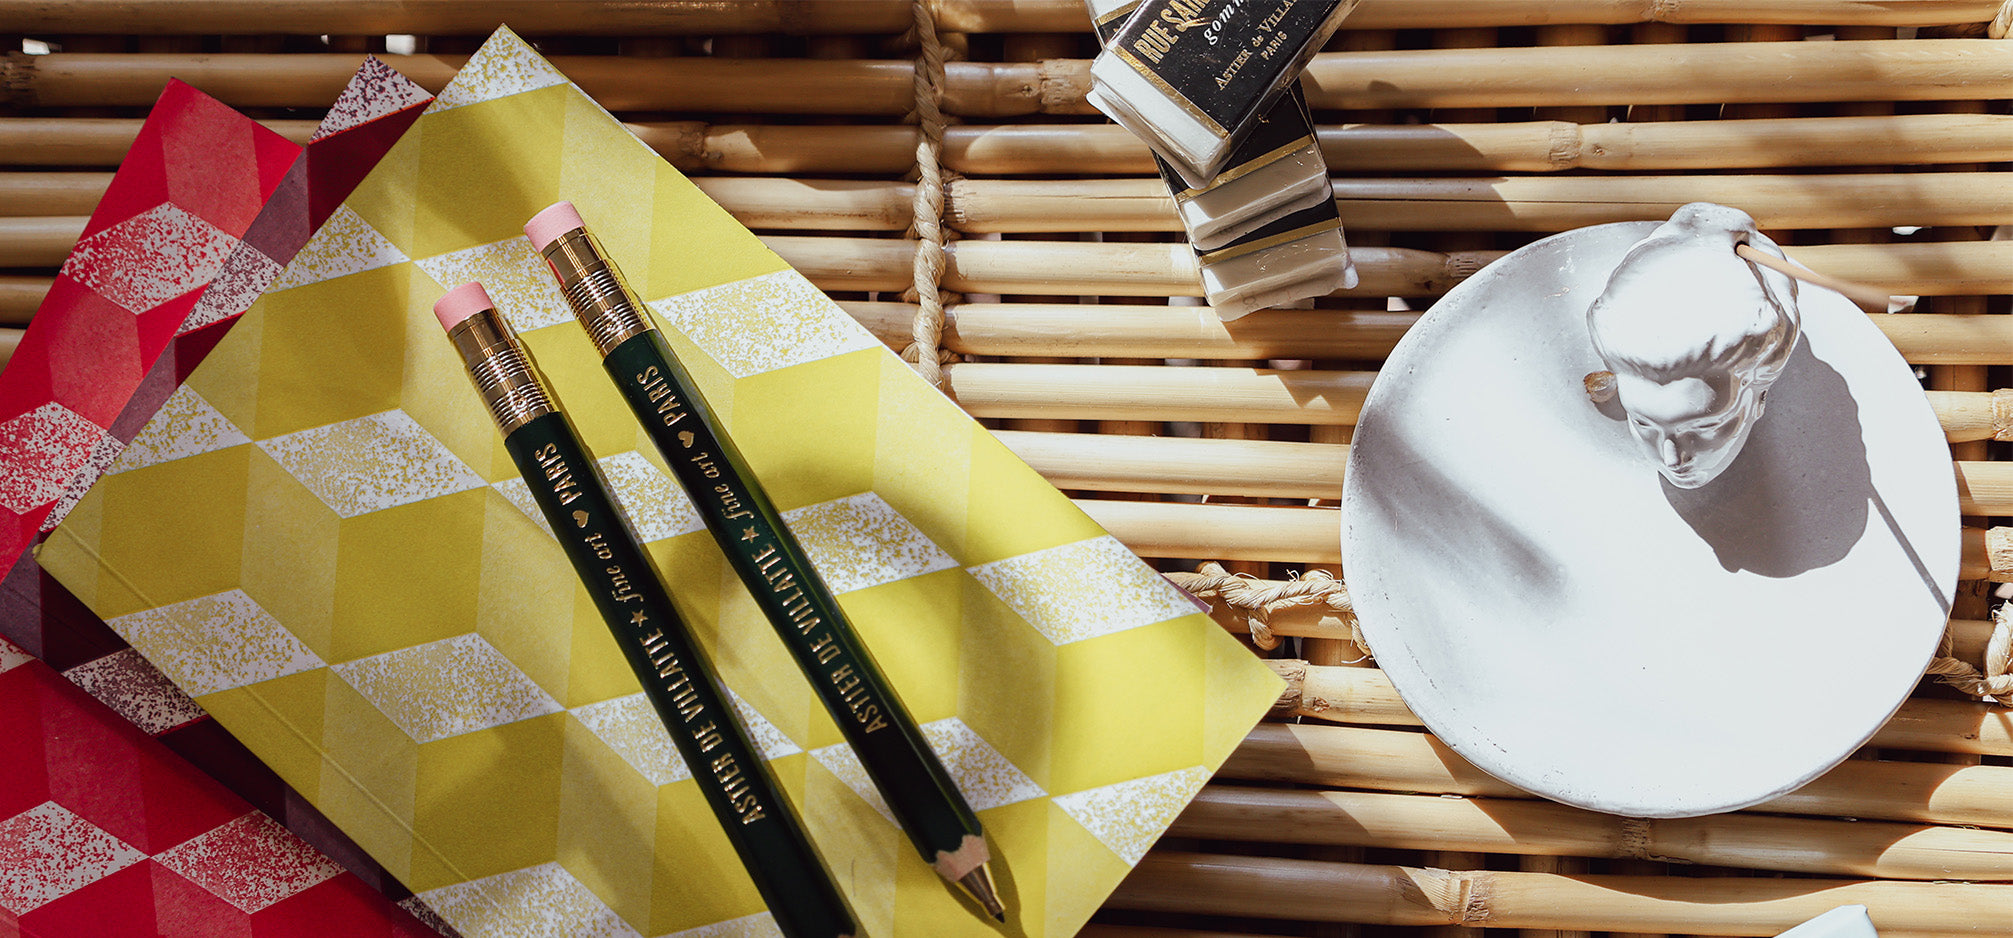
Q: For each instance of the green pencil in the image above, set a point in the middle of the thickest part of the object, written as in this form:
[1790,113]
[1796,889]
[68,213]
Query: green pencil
[769,561]
[675,674]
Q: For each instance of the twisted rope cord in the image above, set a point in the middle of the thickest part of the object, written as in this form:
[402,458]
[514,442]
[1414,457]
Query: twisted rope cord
[2001,21]
[924,352]
[1993,683]
[1253,601]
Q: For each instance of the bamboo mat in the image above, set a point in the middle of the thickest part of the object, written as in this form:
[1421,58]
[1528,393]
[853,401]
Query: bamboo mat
[1869,138]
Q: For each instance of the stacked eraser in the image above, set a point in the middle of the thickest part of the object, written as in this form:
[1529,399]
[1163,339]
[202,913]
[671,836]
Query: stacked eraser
[1212,86]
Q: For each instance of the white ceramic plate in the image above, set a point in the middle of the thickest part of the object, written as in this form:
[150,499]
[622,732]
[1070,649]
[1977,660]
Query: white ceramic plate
[1573,625]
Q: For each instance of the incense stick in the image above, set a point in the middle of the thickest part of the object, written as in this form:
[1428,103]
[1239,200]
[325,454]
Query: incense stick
[1863,297]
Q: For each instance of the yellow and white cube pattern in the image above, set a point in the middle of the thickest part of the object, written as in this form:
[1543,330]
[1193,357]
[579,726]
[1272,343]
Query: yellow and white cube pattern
[324,542]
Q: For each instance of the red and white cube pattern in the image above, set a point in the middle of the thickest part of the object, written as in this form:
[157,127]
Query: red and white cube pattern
[49,852]
[104,833]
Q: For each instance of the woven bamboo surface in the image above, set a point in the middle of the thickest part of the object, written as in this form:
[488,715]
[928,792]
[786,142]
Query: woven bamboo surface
[1869,138]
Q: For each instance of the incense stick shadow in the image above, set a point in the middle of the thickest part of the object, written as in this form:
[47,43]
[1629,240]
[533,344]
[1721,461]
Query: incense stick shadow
[1441,527]
[1796,497]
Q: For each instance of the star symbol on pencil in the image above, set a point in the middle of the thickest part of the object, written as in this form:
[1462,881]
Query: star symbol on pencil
[747,534]
[638,618]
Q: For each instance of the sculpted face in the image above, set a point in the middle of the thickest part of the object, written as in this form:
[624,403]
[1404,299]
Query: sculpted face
[1694,335]
[1693,426]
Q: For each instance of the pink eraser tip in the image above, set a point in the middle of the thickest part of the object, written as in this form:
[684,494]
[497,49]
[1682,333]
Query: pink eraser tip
[546,226]
[460,303]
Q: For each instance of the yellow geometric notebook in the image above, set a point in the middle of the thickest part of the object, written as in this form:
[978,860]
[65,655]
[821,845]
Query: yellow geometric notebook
[322,540]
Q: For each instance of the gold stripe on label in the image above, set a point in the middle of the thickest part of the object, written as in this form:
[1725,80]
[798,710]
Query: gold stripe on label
[1123,12]
[1234,173]
[1261,244]
[1180,100]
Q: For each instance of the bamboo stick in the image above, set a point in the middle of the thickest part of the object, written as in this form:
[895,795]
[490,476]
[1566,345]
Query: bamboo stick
[19,296]
[1947,338]
[93,141]
[38,242]
[1758,143]
[1897,70]
[1952,726]
[1984,488]
[1409,761]
[1974,415]
[1106,149]
[1873,849]
[1266,887]
[819,204]
[1540,203]
[1140,392]
[1691,73]
[813,17]
[65,193]
[1098,462]
[1365,696]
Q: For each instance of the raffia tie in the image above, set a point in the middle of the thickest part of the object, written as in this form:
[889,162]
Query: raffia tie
[925,352]
[1993,683]
[2002,21]
[1253,601]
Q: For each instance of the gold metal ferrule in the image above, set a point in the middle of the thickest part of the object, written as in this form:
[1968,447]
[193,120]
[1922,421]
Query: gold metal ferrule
[503,374]
[600,298]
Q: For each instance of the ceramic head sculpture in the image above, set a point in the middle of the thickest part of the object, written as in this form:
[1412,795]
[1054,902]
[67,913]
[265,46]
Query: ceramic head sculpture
[1695,334]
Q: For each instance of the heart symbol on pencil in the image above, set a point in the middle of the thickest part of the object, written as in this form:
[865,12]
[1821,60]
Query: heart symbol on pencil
[579,519]
[685,438]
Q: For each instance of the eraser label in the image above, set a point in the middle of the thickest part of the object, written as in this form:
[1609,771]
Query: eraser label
[1220,58]
[1284,128]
